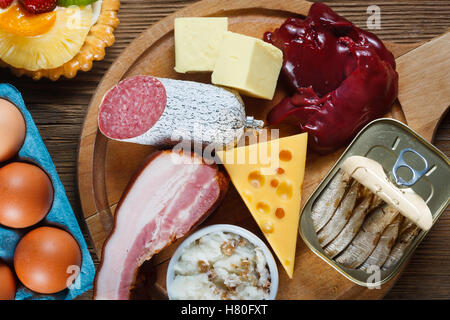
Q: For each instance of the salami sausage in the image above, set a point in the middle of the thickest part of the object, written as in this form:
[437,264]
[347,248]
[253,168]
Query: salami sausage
[162,112]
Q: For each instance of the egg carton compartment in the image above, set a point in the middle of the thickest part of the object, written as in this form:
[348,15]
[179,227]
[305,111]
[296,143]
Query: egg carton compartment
[61,215]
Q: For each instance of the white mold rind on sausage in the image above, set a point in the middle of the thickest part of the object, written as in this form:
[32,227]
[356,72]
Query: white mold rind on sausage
[194,111]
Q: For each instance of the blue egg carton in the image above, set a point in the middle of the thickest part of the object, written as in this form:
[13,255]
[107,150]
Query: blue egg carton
[60,215]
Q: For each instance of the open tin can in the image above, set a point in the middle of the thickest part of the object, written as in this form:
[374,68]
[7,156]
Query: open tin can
[408,161]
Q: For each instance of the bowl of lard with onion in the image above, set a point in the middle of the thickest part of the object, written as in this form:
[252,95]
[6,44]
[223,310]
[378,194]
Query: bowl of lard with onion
[222,262]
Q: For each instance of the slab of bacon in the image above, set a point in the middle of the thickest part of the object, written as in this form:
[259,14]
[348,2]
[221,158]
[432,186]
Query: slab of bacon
[170,194]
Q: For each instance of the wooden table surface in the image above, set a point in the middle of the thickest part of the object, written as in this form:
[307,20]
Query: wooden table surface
[59,108]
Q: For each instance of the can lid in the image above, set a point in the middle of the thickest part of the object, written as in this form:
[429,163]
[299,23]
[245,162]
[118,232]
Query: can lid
[370,174]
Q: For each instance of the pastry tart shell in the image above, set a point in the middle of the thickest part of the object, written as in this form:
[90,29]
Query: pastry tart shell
[99,37]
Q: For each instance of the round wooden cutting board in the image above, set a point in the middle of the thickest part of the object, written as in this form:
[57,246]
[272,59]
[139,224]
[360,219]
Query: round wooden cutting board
[105,166]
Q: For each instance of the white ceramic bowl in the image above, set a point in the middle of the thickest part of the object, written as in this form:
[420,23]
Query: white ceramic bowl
[257,242]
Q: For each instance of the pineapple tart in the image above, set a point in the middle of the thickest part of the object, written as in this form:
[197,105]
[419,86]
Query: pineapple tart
[54,38]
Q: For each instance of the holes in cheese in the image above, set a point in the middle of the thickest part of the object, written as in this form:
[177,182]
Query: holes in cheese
[284,190]
[268,227]
[256,179]
[281,190]
[274,183]
[263,207]
[247,195]
[279,213]
[285,155]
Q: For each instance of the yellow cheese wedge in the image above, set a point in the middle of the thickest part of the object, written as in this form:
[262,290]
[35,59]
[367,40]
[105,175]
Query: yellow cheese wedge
[269,178]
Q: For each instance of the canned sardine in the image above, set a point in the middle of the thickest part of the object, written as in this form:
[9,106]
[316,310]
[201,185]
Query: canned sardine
[377,203]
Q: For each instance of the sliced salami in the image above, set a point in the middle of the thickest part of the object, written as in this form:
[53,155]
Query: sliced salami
[162,112]
[132,107]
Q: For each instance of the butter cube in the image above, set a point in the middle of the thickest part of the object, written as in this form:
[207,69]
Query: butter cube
[249,65]
[197,43]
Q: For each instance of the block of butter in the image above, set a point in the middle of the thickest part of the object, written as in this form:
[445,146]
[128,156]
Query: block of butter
[197,43]
[249,65]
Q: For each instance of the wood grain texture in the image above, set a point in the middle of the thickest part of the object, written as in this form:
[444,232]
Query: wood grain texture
[105,166]
[424,104]
[59,109]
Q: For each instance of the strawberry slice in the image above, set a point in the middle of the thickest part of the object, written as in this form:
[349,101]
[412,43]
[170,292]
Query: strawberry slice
[38,6]
[5,3]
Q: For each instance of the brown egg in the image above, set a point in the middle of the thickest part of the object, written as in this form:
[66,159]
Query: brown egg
[45,258]
[27,195]
[7,283]
[12,130]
